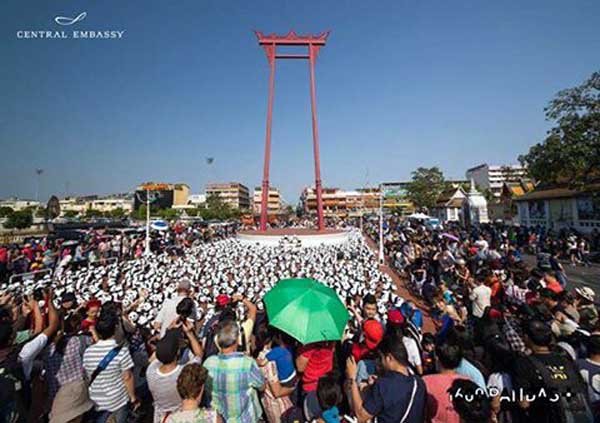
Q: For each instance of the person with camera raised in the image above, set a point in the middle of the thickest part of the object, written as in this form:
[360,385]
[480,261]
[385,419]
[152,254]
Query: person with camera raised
[168,312]
[172,354]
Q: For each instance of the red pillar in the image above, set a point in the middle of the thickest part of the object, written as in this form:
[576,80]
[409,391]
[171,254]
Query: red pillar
[264,203]
[312,50]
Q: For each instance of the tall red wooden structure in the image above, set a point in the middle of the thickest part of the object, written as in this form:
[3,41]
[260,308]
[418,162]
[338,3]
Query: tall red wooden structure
[270,44]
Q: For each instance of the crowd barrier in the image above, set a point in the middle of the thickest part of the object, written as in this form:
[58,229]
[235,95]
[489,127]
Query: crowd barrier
[24,275]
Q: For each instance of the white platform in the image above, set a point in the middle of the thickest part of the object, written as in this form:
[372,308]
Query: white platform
[294,240]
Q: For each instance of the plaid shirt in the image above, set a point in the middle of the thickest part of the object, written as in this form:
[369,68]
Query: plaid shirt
[64,368]
[232,382]
[512,335]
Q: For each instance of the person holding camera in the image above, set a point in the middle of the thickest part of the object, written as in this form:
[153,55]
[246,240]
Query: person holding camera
[168,312]
[170,357]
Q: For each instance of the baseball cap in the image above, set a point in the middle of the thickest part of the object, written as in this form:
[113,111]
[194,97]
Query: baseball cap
[223,300]
[586,292]
[373,331]
[395,316]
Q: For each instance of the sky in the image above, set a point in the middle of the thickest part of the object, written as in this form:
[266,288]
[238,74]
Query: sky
[400,84]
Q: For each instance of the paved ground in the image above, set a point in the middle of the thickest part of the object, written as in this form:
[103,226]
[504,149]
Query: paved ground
[401,290]
[578,276]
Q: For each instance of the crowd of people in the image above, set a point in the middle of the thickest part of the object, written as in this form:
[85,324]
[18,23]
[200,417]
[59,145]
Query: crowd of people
[523,327]
[99,246]
[182,335]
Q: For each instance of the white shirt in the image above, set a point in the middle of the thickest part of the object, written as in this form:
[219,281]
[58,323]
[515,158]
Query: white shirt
[481,297]
[168,313]
[30,351]
[414,357]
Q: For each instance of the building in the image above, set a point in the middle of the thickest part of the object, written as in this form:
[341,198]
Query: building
[73,205]
[107,204]
[474,209]
[450,204]
[395,198]
[491,177]
[362,201]
[163,195]
[505,208]
[334,201]
[197,200]
[110,204]
[234,194]
[561,207]
[351,203]
[274,201]
[17,204]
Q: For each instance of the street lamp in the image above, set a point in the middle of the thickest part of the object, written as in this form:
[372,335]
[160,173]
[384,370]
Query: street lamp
[150,198]
[381,255]
[38,172]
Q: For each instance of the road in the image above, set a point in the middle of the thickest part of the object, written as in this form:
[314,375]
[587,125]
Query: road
[578,276]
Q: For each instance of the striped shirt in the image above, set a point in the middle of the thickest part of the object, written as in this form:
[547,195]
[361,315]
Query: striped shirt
[108,390]
[233,379]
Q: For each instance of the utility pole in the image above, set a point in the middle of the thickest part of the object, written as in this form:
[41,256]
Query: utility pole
[381,255]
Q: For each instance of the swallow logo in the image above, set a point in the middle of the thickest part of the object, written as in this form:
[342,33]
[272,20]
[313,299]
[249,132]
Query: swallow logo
[66,21]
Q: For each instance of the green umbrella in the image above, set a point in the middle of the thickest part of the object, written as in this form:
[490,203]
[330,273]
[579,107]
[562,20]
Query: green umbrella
[307,310]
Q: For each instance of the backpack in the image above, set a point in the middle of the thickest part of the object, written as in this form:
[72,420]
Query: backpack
[13,395]
[572,405]
[210,346]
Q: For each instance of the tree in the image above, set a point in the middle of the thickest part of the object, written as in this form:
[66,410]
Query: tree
[93,213]
[19,220]
[140,213]
[69,214]
[216,208]
[53,207]
[168,214]
[6,211]
[571,151]
[117,213]
[426,186]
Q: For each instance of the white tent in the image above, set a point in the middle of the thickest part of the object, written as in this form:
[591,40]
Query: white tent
[159,225]
[419,216]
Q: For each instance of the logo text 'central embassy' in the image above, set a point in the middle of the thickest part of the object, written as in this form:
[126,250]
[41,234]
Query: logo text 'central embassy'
[76,34]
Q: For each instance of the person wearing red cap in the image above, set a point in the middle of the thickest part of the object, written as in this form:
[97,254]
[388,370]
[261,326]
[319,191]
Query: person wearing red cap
[92,309]
[396,329]
[223,301]
[395,317]
[373,334]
